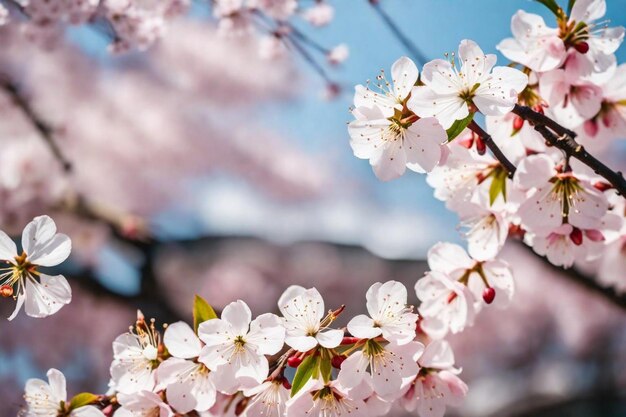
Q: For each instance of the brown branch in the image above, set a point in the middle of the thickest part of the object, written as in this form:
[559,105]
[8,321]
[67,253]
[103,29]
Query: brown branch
[565,140]
[576,276]
[493,147]
[46,132]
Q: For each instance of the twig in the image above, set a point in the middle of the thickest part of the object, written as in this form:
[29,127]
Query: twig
[565,140]
[402,38]
[46,132]
[576,276]
[493,147]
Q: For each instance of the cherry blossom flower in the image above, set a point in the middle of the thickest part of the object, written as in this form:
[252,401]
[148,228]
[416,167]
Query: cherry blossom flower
[317,399]
[389,315]
[388,368]
[338,54]
[235,346]
[141,404]
[278,9]
[135,358]
[555,196]
[49,399]
[303,311]
[437,385]
[188,383]
[572,101]
[534,45]
[447,305]
[610,122]
[449,93]
[478,276]
[599,42]
[543,49]
[486,231]
[320,14]
[387,134]
[42,246]
[268,399]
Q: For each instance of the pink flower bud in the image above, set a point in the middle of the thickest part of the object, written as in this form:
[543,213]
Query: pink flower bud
[518,123]
[594,235]
[591,127]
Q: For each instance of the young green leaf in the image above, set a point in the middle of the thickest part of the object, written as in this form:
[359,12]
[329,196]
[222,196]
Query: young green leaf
[552,5]
[326,369]
[82,399]
[304,372]
[498,186]
[202,311]
[458,126]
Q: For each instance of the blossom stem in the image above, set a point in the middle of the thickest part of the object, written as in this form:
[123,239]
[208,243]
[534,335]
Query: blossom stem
[46,132]
[402,38]
[565,140]
[497,152]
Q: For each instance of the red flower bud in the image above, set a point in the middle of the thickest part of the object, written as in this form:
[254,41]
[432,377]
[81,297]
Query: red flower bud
[451,297]
[286,383]
[294,361]
[489,294]
[582,47]
[576,236]
[349,340]
[480,146]
[518,123]
[602,186]
[336,361]
[6,291]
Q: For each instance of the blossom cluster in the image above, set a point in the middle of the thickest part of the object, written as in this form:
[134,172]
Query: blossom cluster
[293,364]
[126,23]
[270,20]
[136,24]
[525,187]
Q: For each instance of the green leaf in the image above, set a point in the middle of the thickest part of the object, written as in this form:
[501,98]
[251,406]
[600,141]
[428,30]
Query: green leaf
[552,5]
[326,369]
[202,311]
[498,186]
[304,372]
[82,399]
[570,6]
[458,126]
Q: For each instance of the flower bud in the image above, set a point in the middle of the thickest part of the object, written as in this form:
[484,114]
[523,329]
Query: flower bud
[336,361]
[591,127]
[294,361]
[480,146]
[489,294]
[6,291]
[582,47]
[518,123]
[286,383]
[602,186]
[576,236]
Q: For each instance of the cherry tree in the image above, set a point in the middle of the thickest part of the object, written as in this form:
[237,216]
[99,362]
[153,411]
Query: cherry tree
[505,147]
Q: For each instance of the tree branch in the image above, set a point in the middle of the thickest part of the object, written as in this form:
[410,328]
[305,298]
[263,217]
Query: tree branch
[46,132]
[493,147]
[565,140]
[402,38]
[576,276]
